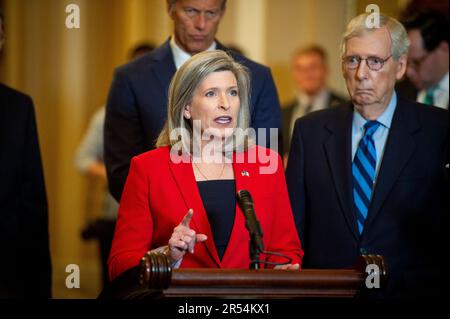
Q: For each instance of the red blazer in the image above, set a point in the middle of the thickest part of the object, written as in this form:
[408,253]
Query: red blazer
[158,193]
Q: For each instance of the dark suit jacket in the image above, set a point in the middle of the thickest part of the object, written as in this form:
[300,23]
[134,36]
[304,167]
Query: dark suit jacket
[407,90]
[405,216]
[155,201]
[287,113]
[25,270]
[137,108]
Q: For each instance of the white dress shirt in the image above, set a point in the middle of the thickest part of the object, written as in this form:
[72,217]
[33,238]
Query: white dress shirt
[440,94]
[180,56]
[381,134]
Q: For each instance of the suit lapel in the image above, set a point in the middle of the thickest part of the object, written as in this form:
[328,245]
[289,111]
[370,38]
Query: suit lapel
[164,67]
[220,46]
[338,152]
[183,175]
[399,148]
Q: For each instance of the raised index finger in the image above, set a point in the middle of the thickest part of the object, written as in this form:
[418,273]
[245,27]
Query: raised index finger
[187,218]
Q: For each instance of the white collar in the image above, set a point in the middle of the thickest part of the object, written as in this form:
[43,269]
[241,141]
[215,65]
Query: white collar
[180,56]
[320,98]
[443,84]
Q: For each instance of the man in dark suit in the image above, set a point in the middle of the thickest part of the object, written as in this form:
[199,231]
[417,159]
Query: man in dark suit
[310,72]
[370,177]
[137,103]
[25,269]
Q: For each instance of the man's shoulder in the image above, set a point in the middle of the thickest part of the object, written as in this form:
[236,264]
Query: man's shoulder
[336,99]
[250,63]
[13,99]
[427,115]
[8,93]
[254,67]
[319,122]
[326,115]
[146,62]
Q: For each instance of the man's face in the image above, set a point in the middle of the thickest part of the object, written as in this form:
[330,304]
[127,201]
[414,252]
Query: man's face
[422,67]
[196,23]
[310,72]
[365,86]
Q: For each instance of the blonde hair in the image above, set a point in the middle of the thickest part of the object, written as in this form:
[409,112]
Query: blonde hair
[183,86]
[399,38]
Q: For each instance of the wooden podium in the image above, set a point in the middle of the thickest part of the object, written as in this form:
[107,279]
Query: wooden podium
[156,279]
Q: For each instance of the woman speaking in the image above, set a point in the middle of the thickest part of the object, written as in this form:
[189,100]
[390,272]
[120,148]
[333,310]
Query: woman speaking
[181,197]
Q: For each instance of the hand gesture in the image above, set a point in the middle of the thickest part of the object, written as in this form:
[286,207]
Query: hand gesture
[183,238]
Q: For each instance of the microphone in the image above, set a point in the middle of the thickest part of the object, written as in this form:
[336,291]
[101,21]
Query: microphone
[245,203]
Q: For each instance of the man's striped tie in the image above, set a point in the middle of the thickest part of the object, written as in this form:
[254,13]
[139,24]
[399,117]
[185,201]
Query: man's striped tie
[363,170]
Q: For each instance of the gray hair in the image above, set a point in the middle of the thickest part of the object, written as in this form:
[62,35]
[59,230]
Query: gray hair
[170,3]
[183,86]
[399,38]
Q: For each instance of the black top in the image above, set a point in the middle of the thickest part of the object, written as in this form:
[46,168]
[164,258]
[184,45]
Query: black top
[219,200]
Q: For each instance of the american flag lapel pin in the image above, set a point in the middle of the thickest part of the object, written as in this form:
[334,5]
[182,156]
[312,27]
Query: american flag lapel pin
[245,173]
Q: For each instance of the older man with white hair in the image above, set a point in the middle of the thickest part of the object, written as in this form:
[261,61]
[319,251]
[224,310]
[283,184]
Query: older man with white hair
[371,177]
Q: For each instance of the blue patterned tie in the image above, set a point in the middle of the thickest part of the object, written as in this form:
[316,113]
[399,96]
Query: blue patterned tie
[363,170]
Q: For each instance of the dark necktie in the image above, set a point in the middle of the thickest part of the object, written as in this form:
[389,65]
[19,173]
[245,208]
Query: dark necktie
[363,171]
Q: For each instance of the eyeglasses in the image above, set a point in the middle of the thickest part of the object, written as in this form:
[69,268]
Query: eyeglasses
[373,62]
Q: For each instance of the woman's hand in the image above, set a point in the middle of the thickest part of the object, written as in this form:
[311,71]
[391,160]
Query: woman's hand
[184,239]
[288,266]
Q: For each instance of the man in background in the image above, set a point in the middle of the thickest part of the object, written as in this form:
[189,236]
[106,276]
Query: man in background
[89,159]
[310,72]
[25,267]
[137,104]
[428,57]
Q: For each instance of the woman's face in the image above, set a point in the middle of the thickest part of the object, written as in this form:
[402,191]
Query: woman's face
[215,104]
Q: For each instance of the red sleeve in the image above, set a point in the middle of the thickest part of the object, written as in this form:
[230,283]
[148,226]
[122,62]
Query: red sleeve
[284,237]
[133,233]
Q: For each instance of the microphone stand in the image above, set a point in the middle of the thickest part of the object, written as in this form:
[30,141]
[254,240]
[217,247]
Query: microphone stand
[256,246]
